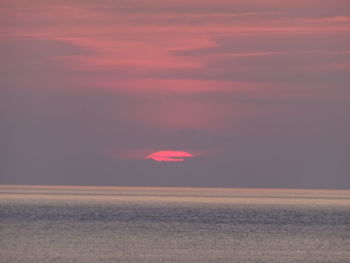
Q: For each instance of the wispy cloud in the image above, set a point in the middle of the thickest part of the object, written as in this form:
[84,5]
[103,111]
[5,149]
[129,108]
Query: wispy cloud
[165,48]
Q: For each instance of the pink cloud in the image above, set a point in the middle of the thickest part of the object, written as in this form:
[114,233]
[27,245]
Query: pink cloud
[134,49]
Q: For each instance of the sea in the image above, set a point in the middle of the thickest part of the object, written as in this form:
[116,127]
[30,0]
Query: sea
[159,225]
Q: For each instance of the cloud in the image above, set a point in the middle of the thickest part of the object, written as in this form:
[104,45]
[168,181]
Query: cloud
[26,54]
[246,45]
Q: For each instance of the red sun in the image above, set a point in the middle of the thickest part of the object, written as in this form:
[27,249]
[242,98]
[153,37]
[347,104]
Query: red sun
[169,156]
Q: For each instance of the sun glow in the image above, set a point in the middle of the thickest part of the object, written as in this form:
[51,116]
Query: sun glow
[169,156]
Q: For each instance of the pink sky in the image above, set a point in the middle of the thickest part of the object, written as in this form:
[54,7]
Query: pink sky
[249,48]
[189,74]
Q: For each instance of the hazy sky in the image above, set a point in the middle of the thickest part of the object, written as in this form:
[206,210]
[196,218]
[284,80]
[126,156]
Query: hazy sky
[257,91]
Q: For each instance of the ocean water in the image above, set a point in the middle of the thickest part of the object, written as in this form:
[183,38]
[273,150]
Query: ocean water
[111,224]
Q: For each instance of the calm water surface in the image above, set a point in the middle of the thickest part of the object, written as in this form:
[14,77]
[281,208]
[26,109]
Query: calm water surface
[110,224]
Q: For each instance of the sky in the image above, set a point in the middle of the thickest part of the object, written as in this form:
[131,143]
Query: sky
[193,93]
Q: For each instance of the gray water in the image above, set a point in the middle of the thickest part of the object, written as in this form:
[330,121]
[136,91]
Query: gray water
[91,224]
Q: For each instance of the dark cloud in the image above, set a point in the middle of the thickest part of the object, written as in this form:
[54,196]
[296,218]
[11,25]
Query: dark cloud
[272,43]
[28,55]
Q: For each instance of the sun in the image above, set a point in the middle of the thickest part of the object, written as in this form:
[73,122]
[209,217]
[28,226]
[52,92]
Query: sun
[169,156]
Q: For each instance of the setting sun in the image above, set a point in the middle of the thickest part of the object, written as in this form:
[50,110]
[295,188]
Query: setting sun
[169,156]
